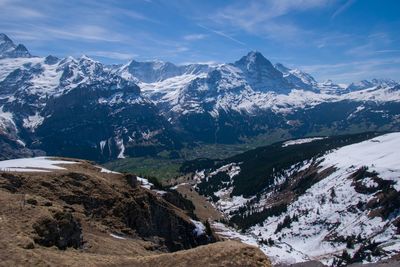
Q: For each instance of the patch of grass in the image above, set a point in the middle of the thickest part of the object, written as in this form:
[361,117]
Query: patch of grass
[222,151]
[160,168]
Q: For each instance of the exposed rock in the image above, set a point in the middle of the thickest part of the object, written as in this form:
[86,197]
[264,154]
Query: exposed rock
[63,231]
[132,180]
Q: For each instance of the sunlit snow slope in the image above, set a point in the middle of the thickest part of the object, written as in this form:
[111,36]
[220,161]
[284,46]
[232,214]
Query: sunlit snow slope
[345,199]
[356,205]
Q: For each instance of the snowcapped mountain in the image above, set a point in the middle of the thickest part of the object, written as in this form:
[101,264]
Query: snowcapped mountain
[75,106]
[364,84]
[157,71]
[212,103]
[261,75]
[297,77]
[333,199]
[249,85]
[9,49]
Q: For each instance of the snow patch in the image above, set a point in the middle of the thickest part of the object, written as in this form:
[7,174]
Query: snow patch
[6,120]
[120,145]
[301,141]
[199,229]
[102,145]
[118,236]
[106,170]
[38,164]
[32,122]
[145,183]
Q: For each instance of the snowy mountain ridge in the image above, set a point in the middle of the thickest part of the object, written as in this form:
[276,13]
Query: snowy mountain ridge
[250,84]
[350,211]
[221,97]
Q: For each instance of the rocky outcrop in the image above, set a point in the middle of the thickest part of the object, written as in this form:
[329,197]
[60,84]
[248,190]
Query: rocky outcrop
[62,231]
[120,205]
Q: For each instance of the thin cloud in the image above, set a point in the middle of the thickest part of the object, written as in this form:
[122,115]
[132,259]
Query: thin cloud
[356,70]
[86,32]
[264,18]
[11,11]
[220,33]
[74,32]
[113,55]
[371,45]
[388,51]
[343,8]
[194,37]
[210,62]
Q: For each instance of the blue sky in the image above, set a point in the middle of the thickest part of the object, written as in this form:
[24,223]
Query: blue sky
[344,40]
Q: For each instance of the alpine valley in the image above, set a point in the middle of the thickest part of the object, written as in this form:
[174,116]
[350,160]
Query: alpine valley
[306,171]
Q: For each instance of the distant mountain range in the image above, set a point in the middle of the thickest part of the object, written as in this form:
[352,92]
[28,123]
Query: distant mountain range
[79,107]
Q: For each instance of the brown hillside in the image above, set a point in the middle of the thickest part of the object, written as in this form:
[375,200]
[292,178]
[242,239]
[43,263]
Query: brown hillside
[81,216]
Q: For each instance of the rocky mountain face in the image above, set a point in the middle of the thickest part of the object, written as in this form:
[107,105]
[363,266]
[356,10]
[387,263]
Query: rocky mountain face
[79,107]
[261,75]
[332,199]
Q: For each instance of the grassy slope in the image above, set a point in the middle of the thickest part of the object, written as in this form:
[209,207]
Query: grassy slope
[160,168]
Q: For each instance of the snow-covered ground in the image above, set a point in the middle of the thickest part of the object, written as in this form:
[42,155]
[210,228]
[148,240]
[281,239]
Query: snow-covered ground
[380,154]
[102,169]
[301,141]
[278,253]
[38,164]
[328,212]
[323,215]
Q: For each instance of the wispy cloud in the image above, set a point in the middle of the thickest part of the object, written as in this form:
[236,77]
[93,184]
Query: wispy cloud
[194,37]
[15,10]
[87,32]
[263,18]
[220,33]
[104,9]
[81,32]
[356,70]
[211,62]
[388,51]
[343,8]
[112,55]
[334,39]
[370,45]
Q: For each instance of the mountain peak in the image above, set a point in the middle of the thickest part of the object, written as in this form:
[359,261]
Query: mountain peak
[10,50]
[254,57]
[4,38]
[261,74]
[50,60]
[85,58]
[254,53]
